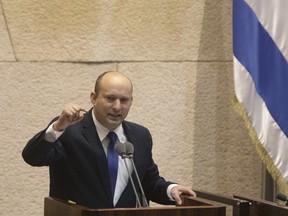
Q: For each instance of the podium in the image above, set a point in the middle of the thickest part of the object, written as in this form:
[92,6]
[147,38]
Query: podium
[192,206]
[240,206]
[260,207]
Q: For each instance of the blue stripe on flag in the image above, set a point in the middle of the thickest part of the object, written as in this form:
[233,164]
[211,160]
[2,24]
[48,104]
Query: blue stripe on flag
[257,52]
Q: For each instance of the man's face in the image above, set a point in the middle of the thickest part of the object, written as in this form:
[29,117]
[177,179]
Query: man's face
[112,104]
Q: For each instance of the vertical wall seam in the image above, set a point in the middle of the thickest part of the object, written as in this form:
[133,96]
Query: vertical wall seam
[8,31]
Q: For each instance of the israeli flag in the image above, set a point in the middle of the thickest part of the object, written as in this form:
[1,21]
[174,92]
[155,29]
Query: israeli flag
[260,48]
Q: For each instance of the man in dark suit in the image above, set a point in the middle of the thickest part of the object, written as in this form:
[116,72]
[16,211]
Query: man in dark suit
[76,145]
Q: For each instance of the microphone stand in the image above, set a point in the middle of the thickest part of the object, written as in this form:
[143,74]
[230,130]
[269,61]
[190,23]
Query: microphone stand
[132,182]
[121,151]
[143,197]
[129,152]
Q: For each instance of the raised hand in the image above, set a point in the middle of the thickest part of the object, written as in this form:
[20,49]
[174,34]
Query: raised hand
[71,114]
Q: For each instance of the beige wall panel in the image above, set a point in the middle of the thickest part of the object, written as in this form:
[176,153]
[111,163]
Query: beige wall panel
[31,95]
[198,138]
[225,161]
[6,51]
[119,30]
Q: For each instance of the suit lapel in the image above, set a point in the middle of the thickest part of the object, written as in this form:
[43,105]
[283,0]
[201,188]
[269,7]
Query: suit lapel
[89,132]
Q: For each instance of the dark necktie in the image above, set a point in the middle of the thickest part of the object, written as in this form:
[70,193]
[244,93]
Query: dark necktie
[112,158]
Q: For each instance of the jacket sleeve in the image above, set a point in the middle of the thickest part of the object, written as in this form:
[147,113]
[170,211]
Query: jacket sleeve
[39,152]
[155,186]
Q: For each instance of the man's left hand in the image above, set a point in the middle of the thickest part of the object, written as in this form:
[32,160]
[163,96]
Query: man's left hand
[178,190]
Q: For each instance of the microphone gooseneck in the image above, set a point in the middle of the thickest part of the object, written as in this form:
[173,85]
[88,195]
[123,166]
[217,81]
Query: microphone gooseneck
[130,151]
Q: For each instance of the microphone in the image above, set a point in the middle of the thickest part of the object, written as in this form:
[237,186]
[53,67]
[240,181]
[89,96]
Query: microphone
[129,149]
[129,153]
[120,149]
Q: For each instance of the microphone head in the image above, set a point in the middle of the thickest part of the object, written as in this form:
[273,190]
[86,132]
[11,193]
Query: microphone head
[129,148]
[120,149]
[281,197]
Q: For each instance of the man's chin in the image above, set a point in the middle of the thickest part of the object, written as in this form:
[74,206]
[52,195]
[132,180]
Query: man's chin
[114,123]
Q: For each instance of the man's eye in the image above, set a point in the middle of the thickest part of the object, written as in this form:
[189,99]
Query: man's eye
[124,100]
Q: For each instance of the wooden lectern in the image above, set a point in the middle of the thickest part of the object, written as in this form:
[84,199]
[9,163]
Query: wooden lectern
[260,207]
[192,206]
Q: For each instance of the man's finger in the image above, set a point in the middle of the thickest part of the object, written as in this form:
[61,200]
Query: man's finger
[178,200]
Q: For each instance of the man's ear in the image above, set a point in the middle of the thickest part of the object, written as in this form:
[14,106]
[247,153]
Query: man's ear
[93,98]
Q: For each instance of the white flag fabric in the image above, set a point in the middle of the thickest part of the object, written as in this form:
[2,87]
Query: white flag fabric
[260,48]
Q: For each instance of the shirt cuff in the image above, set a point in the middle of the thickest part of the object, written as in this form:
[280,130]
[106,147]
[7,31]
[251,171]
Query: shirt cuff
[169,188]
[51,135]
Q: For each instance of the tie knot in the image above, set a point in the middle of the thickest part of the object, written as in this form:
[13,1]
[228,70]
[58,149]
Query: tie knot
[112,137]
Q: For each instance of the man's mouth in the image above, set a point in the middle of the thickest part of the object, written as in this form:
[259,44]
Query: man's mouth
[115,116]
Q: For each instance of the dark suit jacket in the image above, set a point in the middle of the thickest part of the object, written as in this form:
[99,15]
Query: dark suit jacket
[78,165]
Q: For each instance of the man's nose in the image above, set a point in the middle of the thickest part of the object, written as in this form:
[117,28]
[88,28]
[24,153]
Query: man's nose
[117,104]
